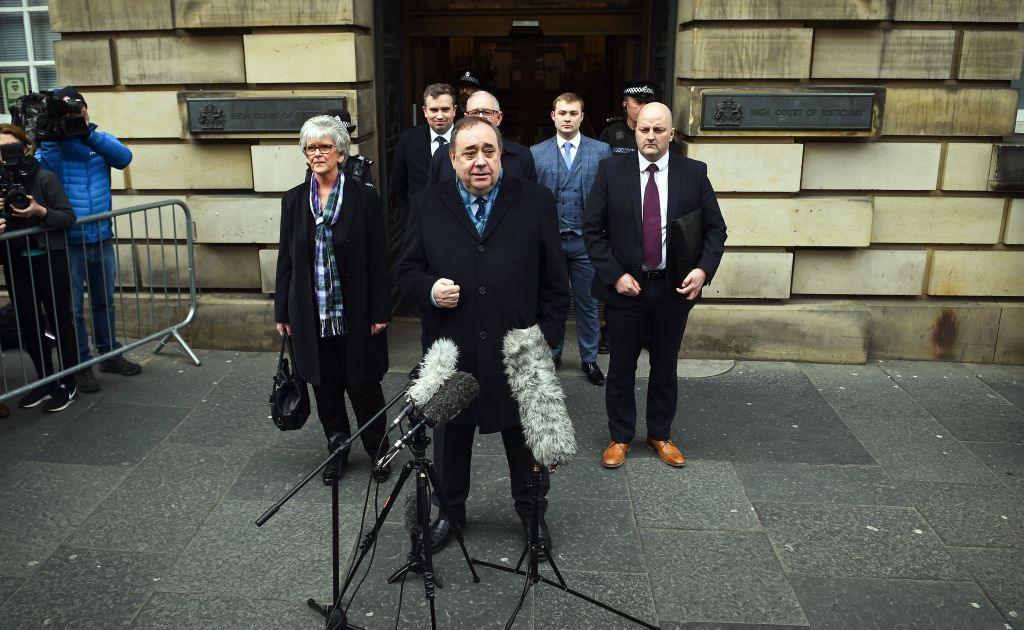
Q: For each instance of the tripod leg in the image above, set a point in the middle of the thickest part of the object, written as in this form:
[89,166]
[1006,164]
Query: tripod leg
[527,583]
[554,567]
[446,511]
[423,512]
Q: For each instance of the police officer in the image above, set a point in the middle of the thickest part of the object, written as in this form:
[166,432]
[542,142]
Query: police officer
[466,85]
[620,131]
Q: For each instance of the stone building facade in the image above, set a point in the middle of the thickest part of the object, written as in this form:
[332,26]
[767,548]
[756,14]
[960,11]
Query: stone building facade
[905,240]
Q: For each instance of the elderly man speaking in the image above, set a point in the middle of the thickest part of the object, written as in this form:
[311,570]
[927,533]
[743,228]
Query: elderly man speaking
[484,254]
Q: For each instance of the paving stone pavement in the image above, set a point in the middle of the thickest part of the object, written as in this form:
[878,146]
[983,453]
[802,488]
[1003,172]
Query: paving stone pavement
[887,495]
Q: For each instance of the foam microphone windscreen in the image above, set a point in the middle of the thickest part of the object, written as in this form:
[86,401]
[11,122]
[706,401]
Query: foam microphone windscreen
[531,374]
[459,391]
[438,364]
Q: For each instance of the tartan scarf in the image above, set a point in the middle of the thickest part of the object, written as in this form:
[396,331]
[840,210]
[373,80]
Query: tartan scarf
[326,277]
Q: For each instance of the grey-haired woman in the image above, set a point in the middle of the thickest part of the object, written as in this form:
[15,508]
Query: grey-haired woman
[333,287]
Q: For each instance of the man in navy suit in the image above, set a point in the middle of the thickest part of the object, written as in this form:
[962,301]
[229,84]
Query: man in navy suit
[655,235]
[516,160]
[567,165]
[417,145]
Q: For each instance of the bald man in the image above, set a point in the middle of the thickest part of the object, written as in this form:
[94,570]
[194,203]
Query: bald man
[655,235]
[516,160]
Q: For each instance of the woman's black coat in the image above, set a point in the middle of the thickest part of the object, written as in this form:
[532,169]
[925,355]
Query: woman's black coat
[360,248]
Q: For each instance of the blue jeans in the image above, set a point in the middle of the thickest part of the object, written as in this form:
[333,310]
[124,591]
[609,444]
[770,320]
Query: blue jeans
[581,276]
[94,264]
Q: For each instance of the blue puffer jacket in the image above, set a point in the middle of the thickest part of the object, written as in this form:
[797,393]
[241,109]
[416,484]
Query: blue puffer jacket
[84,168]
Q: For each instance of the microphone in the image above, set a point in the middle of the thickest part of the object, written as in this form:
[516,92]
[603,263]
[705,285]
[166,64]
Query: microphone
[546,425]
[437,365]
[457,393]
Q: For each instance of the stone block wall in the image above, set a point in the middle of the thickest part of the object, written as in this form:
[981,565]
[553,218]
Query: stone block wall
[135,62]
[904,222]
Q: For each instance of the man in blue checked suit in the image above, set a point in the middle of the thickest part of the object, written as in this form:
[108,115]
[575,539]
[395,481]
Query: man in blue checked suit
[567,165]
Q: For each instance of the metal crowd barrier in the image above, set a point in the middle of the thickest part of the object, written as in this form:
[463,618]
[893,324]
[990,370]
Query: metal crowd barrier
[154,284]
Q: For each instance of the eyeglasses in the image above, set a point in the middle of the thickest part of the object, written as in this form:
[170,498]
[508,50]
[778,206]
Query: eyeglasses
[470,154]
[324,149]
[483,113]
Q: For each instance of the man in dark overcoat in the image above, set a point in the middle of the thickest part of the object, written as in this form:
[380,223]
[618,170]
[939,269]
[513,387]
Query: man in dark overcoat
[484,254]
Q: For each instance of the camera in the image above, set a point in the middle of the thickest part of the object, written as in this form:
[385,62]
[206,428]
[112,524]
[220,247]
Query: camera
[13,176]
[45,117]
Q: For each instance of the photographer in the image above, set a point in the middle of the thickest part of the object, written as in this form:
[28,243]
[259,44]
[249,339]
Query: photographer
[83,162]
[36,266]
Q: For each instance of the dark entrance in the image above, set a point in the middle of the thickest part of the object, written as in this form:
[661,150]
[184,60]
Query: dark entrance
[589,47]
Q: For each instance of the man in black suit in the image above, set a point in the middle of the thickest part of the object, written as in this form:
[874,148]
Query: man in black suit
[417,145]
[655,236]
[484,254]
[516,160]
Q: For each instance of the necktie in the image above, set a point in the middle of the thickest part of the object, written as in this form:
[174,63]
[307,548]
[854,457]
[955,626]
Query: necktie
[481,211]
[567,151]
[440,142]
[652,221]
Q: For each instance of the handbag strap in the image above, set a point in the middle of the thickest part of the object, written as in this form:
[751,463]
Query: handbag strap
[284,343]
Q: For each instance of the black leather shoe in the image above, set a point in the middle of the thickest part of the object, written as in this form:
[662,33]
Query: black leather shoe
[544,537]
[441,533]
[594,373]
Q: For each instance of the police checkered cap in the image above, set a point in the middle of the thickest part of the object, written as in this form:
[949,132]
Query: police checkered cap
[640,90]
[467,78]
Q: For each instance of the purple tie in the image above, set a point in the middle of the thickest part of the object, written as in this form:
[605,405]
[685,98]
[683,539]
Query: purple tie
[652,221]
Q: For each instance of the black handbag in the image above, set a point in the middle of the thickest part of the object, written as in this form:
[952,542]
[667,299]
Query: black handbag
[289,400]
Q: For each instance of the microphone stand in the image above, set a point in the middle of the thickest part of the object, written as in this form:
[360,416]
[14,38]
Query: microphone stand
[334,614]
[531,554]
[420,557]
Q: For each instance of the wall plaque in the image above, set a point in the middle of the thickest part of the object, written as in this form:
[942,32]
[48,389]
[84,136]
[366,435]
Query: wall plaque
[255,115]
[830,111]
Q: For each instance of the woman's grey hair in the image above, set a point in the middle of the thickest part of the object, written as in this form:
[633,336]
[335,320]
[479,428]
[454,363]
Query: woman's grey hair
[325,127]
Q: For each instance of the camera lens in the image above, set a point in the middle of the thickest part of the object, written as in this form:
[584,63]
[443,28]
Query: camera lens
[18,199]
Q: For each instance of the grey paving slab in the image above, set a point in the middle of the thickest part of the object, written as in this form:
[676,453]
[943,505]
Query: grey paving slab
[171,611]
[721,577]
[856,541]
[970,515]
[7,587]
[585,478]
[25,431]
[161,504]
[111,434]
[741,416]
[171,380]
[41,503]
[961,401]
[270,473]
[1000,573]
[814,483]
[85,588]
[1005,459]
[706,494]
[628,592]
[288,558]
[1008,380]
[900,434]
[675,625]
[865,604]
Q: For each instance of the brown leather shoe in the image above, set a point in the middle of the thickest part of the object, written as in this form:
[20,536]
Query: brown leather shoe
[668,452]
[615,455]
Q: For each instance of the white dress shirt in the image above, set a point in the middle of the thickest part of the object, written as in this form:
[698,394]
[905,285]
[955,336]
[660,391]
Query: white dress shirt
[434,136]
[661,181]
[575,148]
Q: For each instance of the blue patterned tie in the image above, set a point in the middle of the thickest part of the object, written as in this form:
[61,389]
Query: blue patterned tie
[481,212]
[567,150]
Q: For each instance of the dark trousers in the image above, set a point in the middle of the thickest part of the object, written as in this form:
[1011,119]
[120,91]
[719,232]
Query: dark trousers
[43,281]
[626,327]
[367,398]
[458,454]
